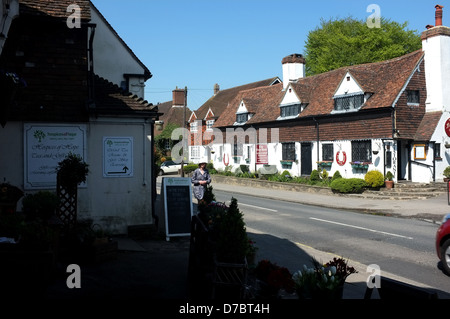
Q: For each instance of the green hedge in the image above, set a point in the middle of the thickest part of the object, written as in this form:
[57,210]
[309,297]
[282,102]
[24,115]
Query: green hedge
[374,179]
[349,185]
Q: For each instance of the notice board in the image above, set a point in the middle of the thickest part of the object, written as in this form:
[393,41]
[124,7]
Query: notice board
[178,208]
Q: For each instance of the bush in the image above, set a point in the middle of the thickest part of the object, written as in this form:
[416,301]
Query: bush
[189,168]
[374,179]
[324,174]
[315,176]
[447,172]
[336,176]
[348,185]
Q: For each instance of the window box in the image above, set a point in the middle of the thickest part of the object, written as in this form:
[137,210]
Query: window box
[247,161]
[236,159]
[360,165]
[325,164]
[286,163]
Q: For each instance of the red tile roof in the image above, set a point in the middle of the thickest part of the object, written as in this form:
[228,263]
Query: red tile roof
[384,79]
[111,100]
[54,8]
[219,102]
[427,126]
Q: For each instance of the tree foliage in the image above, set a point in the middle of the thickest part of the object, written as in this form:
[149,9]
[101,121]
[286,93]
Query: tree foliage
[166,134]
[346,42]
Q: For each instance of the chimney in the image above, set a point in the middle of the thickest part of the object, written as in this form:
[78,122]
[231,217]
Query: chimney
[178,97]
[439,15]
[436,45]
[293,68]
[216,89]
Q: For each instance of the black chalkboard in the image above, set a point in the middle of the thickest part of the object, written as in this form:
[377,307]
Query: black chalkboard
[178,206]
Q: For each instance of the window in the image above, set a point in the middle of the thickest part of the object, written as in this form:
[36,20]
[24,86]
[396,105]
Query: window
[288,151]
[413,97]
[242,118]
[290,110]
[195,152]
[327,152]
[209,125]
[437,151]
[167,144]
[237,150]
[347,103]
[194,126]
[362,151]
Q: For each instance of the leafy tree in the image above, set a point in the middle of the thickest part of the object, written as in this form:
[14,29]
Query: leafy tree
[345,42]
[166,134]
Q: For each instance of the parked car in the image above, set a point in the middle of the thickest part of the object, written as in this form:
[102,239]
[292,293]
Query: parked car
[169,167]
[443,243]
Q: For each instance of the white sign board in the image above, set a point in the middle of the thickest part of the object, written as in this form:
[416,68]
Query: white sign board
[46,145]
[117,156]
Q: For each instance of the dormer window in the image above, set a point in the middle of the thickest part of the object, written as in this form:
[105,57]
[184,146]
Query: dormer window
[194,126]
[290,110]
[242,118]
[209,125]
[348,103]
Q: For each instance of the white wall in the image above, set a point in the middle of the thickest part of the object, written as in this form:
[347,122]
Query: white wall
[437,70]
[118,201]
[112,59]
[440,136]
[292,72]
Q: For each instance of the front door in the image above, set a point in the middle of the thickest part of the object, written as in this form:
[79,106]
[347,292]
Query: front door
[306,159]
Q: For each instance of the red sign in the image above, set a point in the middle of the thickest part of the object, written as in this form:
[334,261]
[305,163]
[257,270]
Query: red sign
[447,127]
[262,154]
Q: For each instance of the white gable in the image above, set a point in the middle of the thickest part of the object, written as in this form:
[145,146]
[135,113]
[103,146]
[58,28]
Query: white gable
[242,108]
[348,86]
[290,97]
[210,113]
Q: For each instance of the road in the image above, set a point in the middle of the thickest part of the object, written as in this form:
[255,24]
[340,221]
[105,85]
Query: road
[404,247]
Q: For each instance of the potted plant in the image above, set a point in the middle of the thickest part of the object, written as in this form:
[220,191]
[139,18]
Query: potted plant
[324,282]
[271,278]
[389,182]
[72,171]
[446,174]
[9,196]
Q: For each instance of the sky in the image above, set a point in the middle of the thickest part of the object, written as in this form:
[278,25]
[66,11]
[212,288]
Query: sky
[195,44]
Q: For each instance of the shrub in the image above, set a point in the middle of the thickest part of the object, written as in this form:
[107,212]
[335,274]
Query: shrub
[324,174]
[389,176]
[348,185]
[374,179]
[189,168]
[447,172]
[315,176]
[336,176]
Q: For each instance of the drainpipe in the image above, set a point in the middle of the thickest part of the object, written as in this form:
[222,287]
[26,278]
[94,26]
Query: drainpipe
[154,175]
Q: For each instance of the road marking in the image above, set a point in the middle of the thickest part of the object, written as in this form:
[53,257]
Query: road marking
[272,210]
[362,228]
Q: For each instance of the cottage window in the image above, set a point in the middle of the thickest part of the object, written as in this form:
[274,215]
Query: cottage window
[290,110]
[346,103]
[195,152]
[209,125]
[362,151]
[327,152]
[242,118]
[194,126]
[237,150]
[413,97]
[288,150]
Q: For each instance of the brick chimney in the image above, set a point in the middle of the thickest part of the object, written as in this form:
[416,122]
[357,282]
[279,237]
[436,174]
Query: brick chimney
[293,68]
[216,88]
[178,97]
[436,45]
[439,15]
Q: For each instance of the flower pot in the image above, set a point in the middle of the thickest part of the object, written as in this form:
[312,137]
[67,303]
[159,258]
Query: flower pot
[389,184]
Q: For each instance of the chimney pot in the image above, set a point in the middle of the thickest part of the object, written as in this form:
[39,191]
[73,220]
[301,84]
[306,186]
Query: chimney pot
[439,12]
[216,88]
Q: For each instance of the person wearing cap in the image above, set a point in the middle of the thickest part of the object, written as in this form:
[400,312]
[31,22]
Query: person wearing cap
[200,178]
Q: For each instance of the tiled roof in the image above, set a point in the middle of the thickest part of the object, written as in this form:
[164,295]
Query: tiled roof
[219,102]
[427,126]
[54,8]
[384,79]
[110,99]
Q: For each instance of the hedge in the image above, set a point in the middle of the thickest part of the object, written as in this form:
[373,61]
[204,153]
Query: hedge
[348,185]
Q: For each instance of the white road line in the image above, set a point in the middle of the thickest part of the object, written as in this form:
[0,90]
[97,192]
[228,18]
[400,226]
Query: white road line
[272,210]
[362,228]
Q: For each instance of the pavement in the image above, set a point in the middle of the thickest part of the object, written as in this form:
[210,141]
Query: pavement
[151,267]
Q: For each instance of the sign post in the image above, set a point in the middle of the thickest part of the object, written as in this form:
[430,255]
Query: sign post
[178,208]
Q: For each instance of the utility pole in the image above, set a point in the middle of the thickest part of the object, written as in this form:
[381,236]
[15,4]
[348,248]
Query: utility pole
[184,131]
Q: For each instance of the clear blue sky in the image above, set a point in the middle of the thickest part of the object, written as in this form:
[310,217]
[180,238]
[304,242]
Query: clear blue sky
[197,43]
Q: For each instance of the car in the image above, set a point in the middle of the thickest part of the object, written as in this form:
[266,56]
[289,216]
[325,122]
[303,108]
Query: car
[169,167]
[443,244]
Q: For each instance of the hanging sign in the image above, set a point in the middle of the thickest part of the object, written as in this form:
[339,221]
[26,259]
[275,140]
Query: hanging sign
[341,160]
[262,156]
[447,127]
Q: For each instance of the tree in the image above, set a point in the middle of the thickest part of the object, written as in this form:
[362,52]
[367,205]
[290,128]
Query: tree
[166,135]
[345,42]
